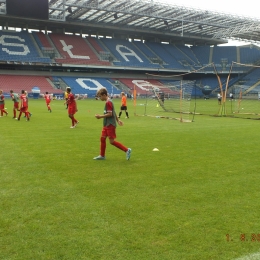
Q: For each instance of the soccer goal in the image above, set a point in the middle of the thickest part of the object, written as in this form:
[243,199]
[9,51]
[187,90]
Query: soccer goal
[242,99]
[170,99]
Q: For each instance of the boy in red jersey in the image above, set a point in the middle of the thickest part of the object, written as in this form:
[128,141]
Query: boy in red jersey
[123,105]
[15,99]
[109,126]
[47,97]
[2,103]
[72,108]
[24,106]
[27,100]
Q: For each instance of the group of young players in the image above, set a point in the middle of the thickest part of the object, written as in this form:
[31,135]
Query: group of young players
[20,104]
[21,108]
[110,118]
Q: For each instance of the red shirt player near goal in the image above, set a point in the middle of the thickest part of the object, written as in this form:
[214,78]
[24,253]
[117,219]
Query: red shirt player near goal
[47,97]
[72,108]
[24,106]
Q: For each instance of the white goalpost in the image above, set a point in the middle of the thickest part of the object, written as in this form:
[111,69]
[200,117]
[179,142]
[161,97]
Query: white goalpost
[171,101]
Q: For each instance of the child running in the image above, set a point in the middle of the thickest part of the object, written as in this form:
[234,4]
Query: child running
[47,97]
[109,126]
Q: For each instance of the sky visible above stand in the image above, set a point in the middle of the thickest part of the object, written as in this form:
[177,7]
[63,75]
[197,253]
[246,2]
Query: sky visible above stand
[247,8]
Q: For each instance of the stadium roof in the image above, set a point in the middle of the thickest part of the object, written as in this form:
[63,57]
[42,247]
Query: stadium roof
[147,19]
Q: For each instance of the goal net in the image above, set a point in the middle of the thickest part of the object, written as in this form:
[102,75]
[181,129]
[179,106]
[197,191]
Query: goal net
[242,99]
[170,99]
[239,89]
[179,98]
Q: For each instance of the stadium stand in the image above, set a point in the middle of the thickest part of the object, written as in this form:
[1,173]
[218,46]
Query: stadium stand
[147,86]
[75,50]
[249,54]
[202,53]
[127,54]
[252,80]
[148,52]
[164,51]
[213,83]
[19,82]
[41,40]
[95,44]
[179,56]
[189,54]
[89,86]
[18,46]
[225,54]
[131,83]
[21,47]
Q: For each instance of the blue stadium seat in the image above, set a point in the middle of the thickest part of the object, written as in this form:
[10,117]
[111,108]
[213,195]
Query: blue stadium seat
[127,54]
[249,54]
[202,54]
[18,46]
[165,52]
[89,86]
[227,53]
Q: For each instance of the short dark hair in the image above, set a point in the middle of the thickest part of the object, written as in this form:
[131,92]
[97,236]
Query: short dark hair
[102,91]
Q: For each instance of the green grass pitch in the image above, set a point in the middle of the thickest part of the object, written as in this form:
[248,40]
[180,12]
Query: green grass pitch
[197,198]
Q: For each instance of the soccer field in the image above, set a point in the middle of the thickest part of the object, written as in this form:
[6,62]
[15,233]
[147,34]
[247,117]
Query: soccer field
[197,198]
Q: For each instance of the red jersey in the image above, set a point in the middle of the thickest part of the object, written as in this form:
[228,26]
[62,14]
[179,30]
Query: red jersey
[24,102]
[72,105]
[71,100]
[47,98]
